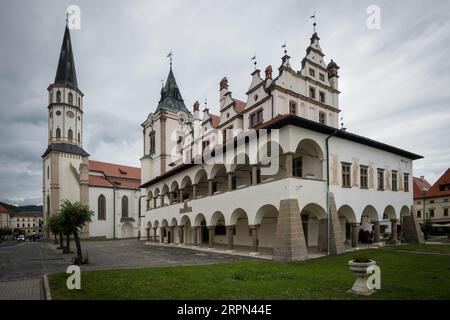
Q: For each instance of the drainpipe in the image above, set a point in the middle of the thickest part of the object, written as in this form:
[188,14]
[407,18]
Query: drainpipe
[328,192]
[139,221]
[114,212]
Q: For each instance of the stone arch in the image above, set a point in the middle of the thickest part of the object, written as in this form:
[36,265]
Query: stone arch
[164,223]
[165,189]
[155,223]
[314,225]
[174,186]
[267,218]
[149,199]
[201,180]
[307,161]
[199,218]
[216,217]
[346,218]
[271,157]
[389,213]
[149,224]
[405,211]
[219,176]
[186,182]
[347,212]
[173,222]
[236,215]
[185,220]
[371,213]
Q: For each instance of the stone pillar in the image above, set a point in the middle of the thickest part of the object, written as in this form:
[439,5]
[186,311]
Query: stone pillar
[289,238]
[161,234]
[154,234]
[254,175]
[194,191]
[355,227]
[181,196]
[393,239]
[195,231]
[162,200]
[170,198]
[148,234]
[230,231]
[254,230]
[171,238]
[210,187]
[181,234]
[288,163]
[211,236]
[154,202]
[376,232]
[230,181]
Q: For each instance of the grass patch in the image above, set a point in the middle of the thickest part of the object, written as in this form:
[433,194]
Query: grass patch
[434,248]
[403,276]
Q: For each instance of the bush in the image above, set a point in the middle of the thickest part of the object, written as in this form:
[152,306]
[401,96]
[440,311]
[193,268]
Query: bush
[361,257]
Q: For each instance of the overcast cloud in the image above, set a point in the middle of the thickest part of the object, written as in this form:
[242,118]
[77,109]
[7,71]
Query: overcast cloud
[394,81]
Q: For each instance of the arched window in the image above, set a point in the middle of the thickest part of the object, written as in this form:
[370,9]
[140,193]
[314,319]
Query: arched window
[70,135]
[70,98]
[58,133]
[58,96]
[79,101]
[101,207]
[48,204]
[124,207]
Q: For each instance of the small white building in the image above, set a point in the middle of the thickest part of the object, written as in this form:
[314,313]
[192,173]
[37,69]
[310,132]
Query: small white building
[274,174]
[111,190]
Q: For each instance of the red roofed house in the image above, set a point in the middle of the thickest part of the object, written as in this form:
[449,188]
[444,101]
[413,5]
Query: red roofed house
[4,217]
[111,190]
[433,201]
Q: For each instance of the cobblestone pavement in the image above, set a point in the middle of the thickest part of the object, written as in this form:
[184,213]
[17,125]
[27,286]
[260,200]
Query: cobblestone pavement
[22,265]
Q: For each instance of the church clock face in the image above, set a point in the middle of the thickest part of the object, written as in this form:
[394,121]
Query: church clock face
[182,118]
[70,114]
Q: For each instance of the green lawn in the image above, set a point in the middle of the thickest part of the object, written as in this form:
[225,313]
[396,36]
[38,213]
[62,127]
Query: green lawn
[432,248]
[403,276]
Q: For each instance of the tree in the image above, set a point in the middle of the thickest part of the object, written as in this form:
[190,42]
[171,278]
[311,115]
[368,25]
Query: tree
[4,231]
[53,224]
[74,216]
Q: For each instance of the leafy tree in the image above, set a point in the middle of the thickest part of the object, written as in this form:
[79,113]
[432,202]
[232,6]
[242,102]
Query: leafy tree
[53,224]
[74,216]
[5,231]
[427,227]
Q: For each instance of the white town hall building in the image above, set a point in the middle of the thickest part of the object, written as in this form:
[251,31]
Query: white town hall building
[275,174]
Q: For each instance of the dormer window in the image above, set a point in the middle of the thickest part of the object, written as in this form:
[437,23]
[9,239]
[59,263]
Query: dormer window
[322,96]
[321,77]
[256,118]
[312,93]
[292,107]
[312,72]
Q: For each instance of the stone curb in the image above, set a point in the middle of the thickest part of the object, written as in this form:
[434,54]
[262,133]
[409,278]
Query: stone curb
[47,293]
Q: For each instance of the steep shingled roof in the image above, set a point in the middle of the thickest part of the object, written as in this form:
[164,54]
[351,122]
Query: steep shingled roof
[171,98]
[441,187]
[65,73]
[420,187]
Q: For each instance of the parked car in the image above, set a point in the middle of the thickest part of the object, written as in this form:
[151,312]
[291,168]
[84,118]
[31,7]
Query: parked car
[21,238]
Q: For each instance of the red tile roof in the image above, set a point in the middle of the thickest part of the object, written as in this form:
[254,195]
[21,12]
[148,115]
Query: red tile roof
[3,209]
[114,175]
[420,187]
[441,187]
[240,105]
[215,120]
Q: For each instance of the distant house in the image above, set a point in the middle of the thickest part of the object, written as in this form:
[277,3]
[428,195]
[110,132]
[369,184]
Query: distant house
[27,222]
[4,217]
[433,201]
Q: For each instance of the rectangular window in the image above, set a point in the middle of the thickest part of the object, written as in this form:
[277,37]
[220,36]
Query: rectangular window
[234,182]
[322,96]
[297,167]
[152,143]
[445,200]
[256,118]
[380,179]
[431,213]
[322,77]
[346,175]
[322,117]
[292,107]
[431,201]
[445,212]
[394,181]
[406,182]
[312,93]
[312,72]
[419,214]
[363,177]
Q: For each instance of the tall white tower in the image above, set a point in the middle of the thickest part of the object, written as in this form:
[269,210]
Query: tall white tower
[65,163]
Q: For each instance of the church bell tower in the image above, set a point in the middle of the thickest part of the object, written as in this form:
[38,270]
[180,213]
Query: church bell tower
[65,163]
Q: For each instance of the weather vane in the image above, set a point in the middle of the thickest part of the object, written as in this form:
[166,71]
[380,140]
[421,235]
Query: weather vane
[254,59]
[170,55]
[285,48]
[314,24]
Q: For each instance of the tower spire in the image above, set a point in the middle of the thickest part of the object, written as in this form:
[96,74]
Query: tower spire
[65,72]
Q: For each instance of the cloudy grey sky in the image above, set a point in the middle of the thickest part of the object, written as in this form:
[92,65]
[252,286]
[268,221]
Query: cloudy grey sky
[394,81]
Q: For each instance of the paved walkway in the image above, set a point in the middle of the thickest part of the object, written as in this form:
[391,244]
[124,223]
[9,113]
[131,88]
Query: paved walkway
[22,265]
